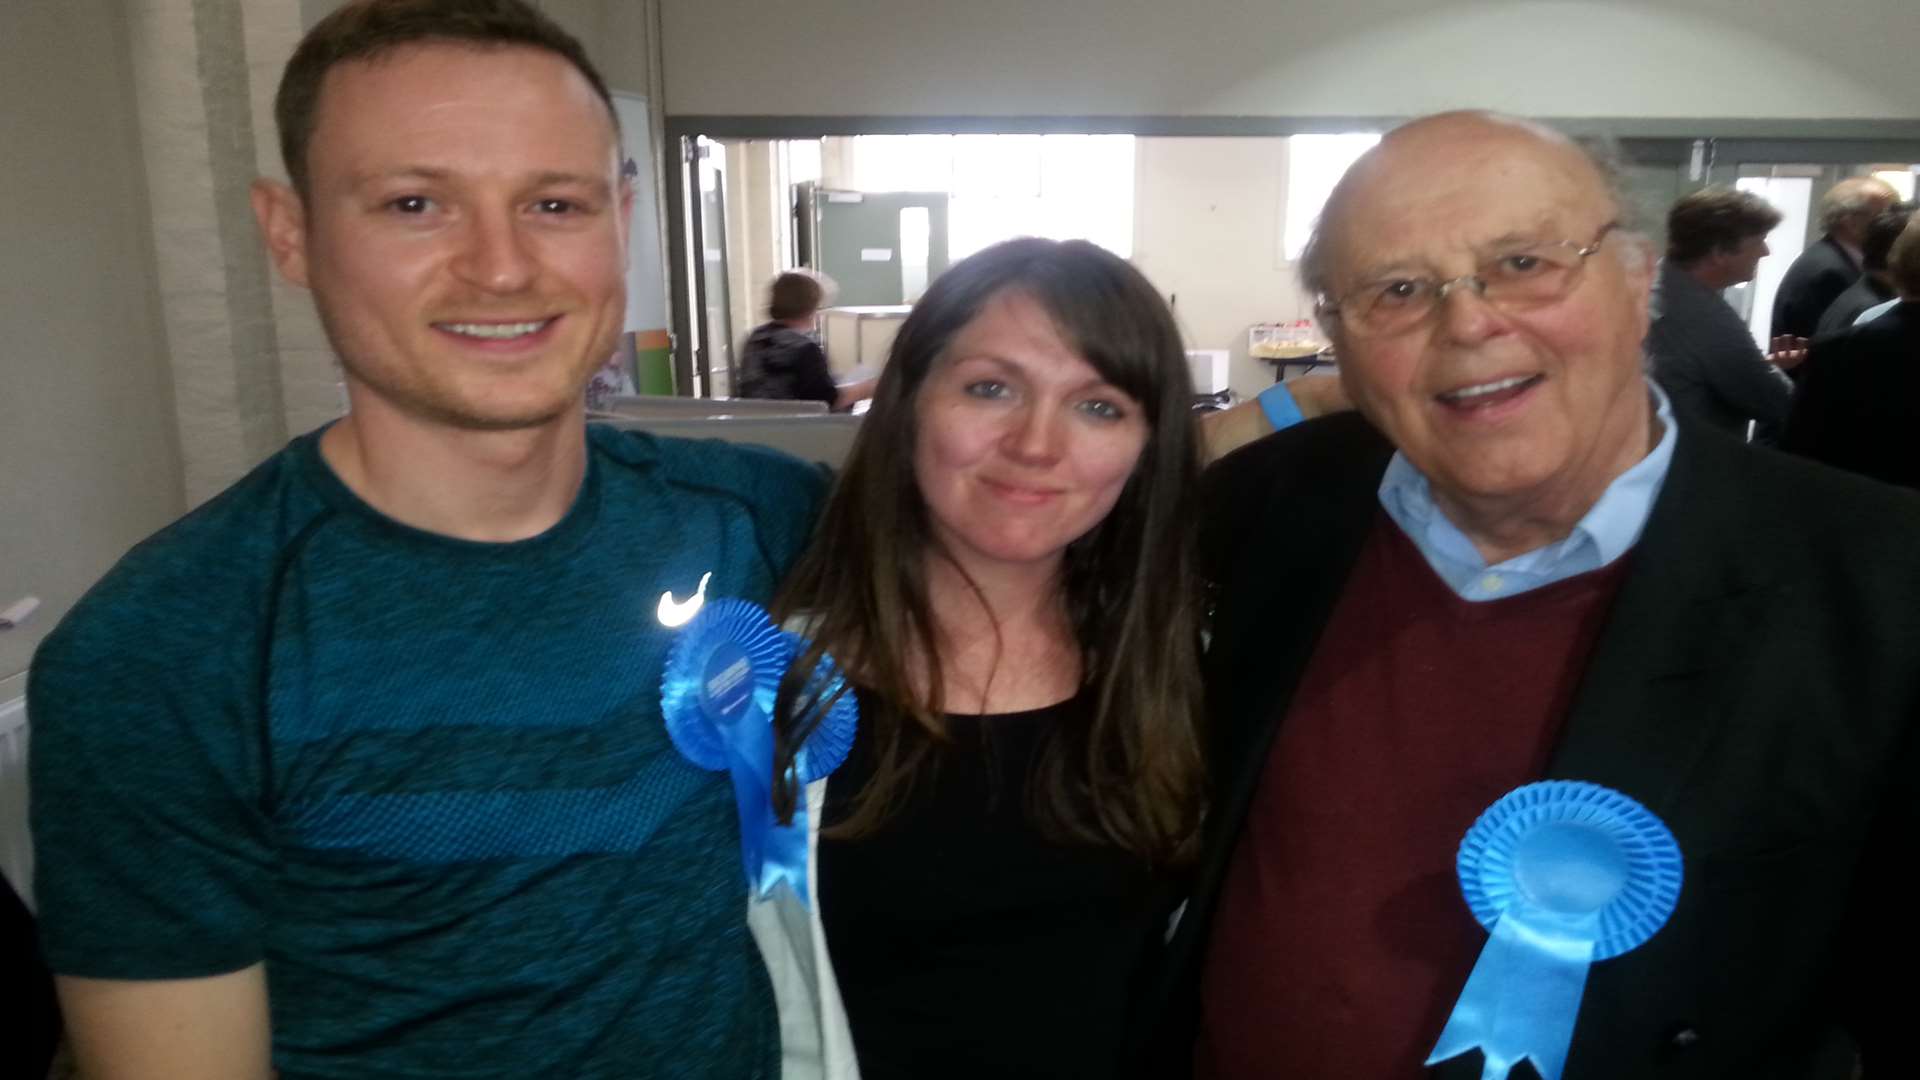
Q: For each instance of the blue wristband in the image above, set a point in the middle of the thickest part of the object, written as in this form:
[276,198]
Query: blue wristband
[1277,403]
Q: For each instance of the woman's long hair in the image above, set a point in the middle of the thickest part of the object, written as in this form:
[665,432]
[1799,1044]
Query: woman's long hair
[1127,770]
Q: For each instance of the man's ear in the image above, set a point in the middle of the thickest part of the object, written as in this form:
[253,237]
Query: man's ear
[283,224]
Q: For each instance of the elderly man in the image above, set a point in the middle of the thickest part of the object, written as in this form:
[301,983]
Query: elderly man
[1825,269]
[359,769]
[1875,287]
[1512,563]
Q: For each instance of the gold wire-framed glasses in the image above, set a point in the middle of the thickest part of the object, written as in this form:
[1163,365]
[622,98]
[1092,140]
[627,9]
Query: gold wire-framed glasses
[1512,278]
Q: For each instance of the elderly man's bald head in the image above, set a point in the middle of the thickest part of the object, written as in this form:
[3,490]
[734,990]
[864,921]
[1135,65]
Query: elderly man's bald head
[1848,206]
[1416,145]
[1488,311]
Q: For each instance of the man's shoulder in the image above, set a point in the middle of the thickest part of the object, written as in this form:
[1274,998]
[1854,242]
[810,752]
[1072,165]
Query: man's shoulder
[236,534]
[187,593]
[779,337]
[770,482]
[1899,326]
[1325,451]
[747,467]
[1823,258]
[1311,483]
[1801,508]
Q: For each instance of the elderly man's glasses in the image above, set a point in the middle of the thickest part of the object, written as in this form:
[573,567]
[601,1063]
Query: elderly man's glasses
[1512,279]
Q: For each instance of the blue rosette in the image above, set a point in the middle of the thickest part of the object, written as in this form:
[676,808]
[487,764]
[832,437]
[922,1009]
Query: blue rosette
[722,634]
[1562,874]
[717,694]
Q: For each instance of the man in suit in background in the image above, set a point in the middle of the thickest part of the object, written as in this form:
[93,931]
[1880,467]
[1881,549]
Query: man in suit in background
[1825,269]
[1875,286]
[1515,562]
[1859,407]
[1698,346]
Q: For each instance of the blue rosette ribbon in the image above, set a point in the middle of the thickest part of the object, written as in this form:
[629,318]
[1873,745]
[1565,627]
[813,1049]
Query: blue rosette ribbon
[717,695]
[1562,874]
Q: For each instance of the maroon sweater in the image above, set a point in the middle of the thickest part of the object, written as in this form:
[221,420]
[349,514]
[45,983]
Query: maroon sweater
[1341,938]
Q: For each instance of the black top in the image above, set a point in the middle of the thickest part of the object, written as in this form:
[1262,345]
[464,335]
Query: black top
[782,363]
[1814,281]
[1859,408]
[1850,305]
[966,943]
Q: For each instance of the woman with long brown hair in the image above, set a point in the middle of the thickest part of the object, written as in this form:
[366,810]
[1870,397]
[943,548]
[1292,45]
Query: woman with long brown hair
[1004,573]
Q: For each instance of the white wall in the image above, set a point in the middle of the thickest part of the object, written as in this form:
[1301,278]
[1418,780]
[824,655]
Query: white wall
[87,441]
[1207,232]
[195,70]
[1298,58]
[16,842]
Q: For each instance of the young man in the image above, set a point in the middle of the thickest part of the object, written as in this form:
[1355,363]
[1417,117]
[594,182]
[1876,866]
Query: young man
[358,770]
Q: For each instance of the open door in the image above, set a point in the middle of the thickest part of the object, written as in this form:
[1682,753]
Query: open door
[703,323]
[880,248]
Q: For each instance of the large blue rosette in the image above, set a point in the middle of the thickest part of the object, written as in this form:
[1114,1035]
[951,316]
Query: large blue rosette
[1562,874]
[717,695]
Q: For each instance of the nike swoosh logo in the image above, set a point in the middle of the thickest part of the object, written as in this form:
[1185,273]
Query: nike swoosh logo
[676,613]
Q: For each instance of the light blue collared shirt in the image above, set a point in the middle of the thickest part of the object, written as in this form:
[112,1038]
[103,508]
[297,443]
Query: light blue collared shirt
[1876,311]
[1608,531]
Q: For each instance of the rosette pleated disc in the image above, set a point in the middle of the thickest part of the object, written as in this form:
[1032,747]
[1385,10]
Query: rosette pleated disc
[1565,850]
[827,745]
[721,623]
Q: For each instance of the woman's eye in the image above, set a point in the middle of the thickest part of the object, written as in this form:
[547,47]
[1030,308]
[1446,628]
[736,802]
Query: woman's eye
[1104,410]
[987,388]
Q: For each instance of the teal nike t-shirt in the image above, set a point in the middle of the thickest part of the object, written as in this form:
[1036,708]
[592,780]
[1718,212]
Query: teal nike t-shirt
[424,781]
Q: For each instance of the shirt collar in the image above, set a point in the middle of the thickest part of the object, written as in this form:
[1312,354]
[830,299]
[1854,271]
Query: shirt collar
[1608,530]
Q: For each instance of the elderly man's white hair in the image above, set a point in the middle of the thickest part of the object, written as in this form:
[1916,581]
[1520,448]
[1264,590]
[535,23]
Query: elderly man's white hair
[1851,197]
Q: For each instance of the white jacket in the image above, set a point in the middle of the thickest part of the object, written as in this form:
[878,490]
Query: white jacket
[815,1043]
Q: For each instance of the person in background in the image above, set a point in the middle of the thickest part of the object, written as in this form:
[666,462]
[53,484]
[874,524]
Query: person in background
[1859,406]
[1275,408]
[1830,264]
[1698,348]
[1516,561]
[358,770]
[782,359]
[1875,286]
[1004,571]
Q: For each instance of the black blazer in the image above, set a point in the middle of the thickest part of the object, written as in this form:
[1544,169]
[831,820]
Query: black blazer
[1756,685]
[1859,403]
[1815,280]
[1852,302]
